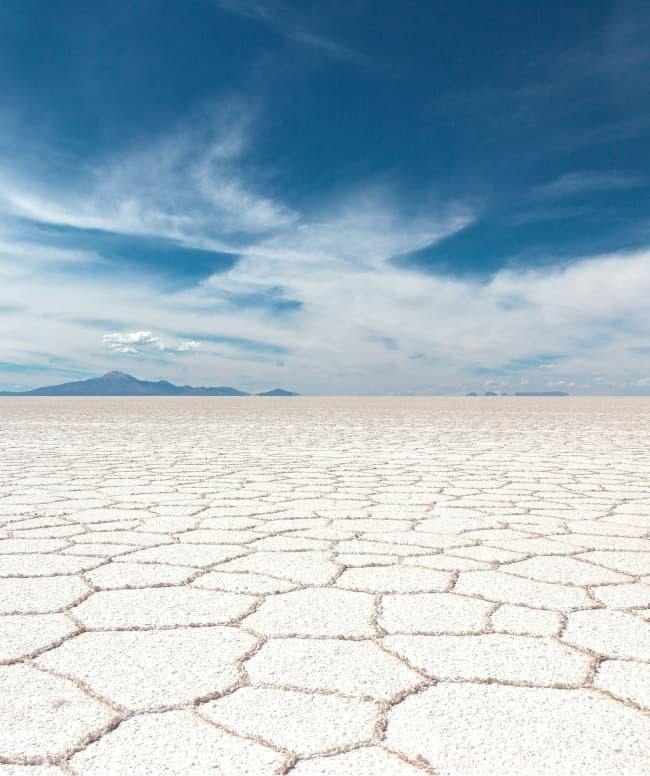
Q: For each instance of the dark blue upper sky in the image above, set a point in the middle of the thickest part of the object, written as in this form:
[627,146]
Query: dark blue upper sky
[277,172]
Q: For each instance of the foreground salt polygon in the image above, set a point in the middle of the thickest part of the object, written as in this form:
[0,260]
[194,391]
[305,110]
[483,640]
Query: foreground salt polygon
[331,586]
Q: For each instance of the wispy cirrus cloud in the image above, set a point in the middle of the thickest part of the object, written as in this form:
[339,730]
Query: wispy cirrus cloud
[286,21]
[585,182]
[187,185]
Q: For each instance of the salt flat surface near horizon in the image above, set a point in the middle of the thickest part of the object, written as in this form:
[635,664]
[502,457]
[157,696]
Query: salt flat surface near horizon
[324,586]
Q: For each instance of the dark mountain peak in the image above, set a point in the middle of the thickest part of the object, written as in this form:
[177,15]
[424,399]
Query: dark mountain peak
[115,375]
[277,392]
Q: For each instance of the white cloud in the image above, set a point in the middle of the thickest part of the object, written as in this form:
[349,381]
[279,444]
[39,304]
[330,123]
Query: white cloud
[134,342]
[189,346]
[131,342]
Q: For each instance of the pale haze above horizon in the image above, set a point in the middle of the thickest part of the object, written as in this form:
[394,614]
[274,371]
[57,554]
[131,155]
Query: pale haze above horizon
[348,197]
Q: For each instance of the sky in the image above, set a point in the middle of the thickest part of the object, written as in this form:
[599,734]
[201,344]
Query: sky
[351,197]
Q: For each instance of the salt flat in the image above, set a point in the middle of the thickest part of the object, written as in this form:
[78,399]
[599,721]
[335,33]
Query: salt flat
[325,586]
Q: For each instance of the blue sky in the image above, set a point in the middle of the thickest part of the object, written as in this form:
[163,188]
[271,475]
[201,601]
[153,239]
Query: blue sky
[343,197]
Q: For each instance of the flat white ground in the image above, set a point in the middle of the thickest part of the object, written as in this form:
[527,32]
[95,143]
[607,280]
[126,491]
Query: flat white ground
[324,586]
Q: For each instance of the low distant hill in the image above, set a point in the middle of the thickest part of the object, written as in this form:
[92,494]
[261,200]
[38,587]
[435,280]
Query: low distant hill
[277,392]
[542,393]
[121,384]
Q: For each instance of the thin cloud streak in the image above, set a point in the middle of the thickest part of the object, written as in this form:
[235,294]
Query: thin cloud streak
[572,183]
[278,17]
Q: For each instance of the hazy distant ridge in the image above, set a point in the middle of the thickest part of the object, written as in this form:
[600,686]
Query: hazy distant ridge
[521,393]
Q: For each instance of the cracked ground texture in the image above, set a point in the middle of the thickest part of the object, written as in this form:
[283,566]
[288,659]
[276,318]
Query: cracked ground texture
[324,586]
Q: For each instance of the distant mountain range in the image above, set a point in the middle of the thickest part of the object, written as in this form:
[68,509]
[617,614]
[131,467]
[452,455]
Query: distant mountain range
[542,393]
[525,393]
[121,384]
